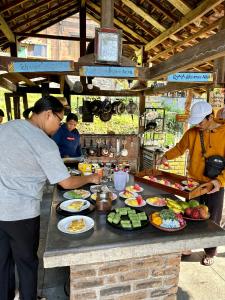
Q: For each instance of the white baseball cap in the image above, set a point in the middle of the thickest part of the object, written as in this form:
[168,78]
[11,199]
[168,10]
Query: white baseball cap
[199,111]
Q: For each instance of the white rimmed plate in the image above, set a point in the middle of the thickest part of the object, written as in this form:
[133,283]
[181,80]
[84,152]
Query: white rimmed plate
[151,202]
[133,190]
[93,196]
[71,194]
[64,205]
[95,188]
[127,202]
[133,194]
[64,224]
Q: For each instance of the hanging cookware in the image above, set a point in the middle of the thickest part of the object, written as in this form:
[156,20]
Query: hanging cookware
[106,106]
[114,107]
[120,108]
[105,149]
[131,107]
[96,107]
[105,117]
[92,150]
[151,125]
[124,151]
[84,149]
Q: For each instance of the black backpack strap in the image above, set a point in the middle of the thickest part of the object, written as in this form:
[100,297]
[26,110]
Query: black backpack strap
[202,143]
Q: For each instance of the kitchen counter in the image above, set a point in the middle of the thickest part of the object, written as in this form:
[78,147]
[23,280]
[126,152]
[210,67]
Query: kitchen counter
[106,245]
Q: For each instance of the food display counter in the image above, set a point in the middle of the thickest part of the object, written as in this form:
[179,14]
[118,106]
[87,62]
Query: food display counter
[111,263]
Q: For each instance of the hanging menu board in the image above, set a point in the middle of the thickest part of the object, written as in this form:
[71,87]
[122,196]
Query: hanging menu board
[108,46]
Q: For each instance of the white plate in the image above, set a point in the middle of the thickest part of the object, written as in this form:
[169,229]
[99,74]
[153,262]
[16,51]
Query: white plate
[194,183]
[127,203]
[70,196]
[121,194]
[64,205]
[64,224]
[152,204]
[93,197]
[131,189]
[94,188]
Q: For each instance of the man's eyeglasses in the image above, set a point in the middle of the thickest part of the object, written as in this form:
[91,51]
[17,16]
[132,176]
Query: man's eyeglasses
[57,116]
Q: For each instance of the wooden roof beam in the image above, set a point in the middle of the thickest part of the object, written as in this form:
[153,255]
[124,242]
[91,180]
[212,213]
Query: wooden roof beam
[207,50]
[199,11]
[11,5]
[28,10]
[164,11]
[118,23]
[43,14]
[6,30]
[190,38]
[174,86]
[146,17]
[181,6]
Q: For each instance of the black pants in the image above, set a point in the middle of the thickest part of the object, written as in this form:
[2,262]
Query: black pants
[19,242]
[215,204]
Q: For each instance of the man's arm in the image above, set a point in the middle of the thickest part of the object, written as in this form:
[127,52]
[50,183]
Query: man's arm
[74,182]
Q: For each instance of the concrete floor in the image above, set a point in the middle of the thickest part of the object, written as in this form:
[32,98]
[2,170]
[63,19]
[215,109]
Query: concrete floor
[196,282]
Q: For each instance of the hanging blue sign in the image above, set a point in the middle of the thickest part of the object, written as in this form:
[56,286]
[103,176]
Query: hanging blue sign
[41,66]
[108,71]
[190,77]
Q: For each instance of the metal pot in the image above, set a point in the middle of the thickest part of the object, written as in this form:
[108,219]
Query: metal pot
[131,107]
[105,150]
[120,108]
[106,106]
[91,150]
[105,116]
[96,106]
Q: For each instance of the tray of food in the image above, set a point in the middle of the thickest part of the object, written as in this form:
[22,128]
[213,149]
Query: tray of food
[127,218]
[172,183]
[167,220]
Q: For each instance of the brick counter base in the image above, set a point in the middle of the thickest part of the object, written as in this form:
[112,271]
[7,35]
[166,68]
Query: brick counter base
[152,277]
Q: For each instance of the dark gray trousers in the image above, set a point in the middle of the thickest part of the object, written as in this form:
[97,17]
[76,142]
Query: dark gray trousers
[19,242]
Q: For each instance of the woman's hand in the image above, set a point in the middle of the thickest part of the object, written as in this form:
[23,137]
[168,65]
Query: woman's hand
[95,178]
[216,186]
[163,161]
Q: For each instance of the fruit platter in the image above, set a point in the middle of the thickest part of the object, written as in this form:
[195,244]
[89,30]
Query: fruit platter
[127,218]
[156,201]
[127,194]
[172,183]
[135,188]
[167,220]
[135,201]
[196,211]
[191,210]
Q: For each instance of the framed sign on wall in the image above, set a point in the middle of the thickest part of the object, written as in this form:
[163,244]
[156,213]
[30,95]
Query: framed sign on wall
[108,46]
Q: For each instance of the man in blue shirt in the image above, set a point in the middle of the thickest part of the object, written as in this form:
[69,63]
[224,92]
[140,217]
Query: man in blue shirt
[68,138]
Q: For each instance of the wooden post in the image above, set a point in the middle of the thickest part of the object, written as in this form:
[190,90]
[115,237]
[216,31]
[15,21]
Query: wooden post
[107,13]
[45,89]
[13,49]
[8,106]
[83,34]
[187,106]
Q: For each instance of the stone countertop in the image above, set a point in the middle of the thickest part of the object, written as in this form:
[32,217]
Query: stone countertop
[106,243]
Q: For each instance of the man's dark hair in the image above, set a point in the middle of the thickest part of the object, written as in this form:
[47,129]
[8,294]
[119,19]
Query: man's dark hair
[71,116]
[2,113]
[44,104]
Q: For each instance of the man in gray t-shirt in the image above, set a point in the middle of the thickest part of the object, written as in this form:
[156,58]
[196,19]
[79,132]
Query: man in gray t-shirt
[28,157]
[33,159]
